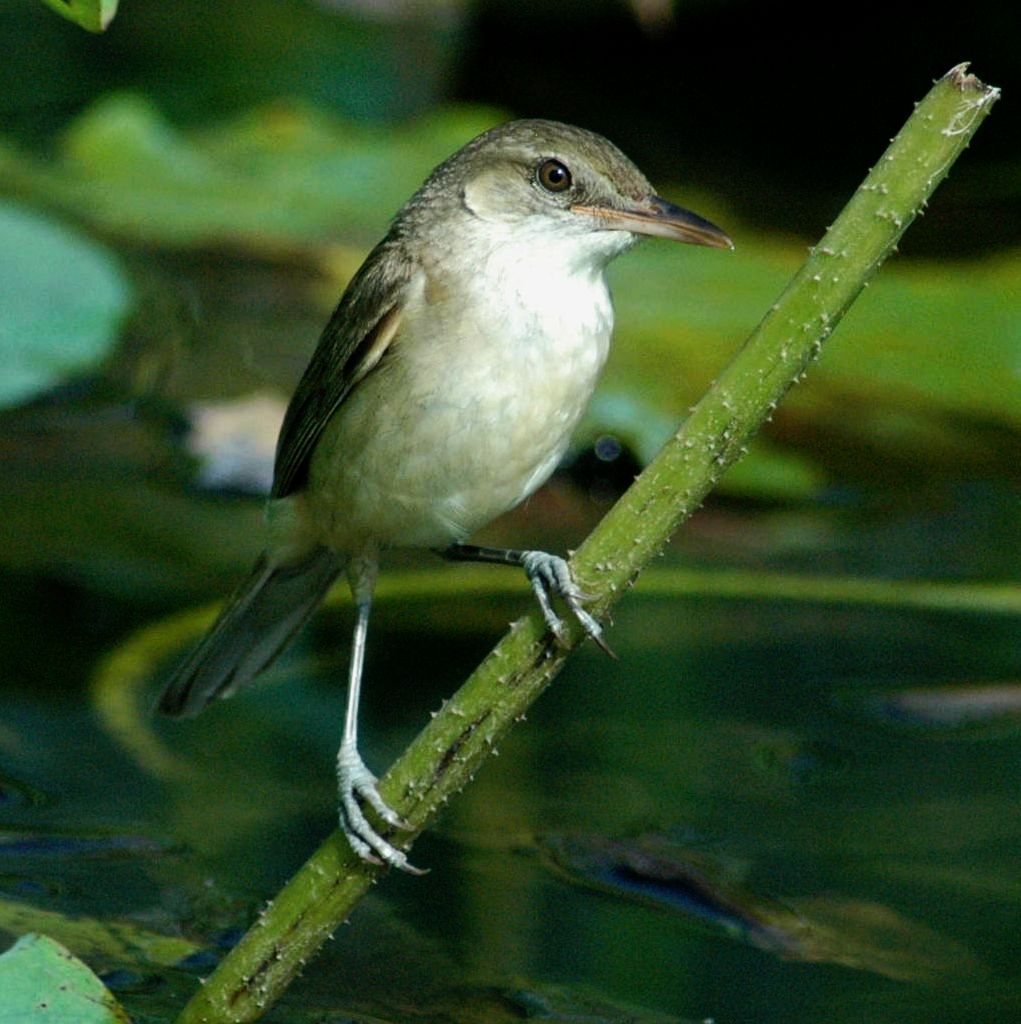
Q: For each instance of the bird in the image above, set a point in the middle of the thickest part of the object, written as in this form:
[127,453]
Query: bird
[443,392]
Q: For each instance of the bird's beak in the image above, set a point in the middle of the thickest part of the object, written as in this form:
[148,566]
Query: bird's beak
[655,216]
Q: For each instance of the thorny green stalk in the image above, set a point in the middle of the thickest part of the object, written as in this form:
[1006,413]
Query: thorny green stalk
[446,754]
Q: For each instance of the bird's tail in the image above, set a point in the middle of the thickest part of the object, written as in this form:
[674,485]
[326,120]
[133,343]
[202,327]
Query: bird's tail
[262,615]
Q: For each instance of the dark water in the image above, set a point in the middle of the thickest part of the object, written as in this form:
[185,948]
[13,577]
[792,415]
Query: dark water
[763,812]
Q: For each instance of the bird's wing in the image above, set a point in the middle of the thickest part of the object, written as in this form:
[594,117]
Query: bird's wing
[352,343]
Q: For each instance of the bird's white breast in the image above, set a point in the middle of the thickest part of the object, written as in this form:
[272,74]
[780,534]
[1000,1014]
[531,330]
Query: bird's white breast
[495,359]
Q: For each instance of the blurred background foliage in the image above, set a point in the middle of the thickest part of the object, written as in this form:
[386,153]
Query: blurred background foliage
[236,168]
[182,199]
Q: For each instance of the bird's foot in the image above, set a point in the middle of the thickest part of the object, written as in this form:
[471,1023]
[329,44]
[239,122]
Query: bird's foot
[551,577]
[357,786]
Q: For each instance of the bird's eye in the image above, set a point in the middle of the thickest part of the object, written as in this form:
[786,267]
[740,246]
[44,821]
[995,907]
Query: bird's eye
[553,176]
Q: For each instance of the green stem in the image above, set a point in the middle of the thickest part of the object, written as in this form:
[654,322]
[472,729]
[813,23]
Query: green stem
[453,745]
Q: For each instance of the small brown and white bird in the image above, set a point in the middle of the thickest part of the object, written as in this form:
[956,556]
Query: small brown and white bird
[442,393]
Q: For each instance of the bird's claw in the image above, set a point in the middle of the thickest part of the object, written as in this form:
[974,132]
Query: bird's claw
[357,787]
[551,577]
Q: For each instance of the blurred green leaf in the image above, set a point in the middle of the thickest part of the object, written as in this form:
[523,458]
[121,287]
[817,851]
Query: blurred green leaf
[115,940]
[280,181]
[924,371]
[41,981]
[94,15]
[62,299]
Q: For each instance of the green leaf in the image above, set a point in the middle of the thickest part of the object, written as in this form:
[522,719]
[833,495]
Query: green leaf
[41,981]
[62,299]
[119,941]
[280,181]
[925,368]
[94,15]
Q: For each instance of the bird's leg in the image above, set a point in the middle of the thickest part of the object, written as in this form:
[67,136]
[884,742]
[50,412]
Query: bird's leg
[356,783]
[550,577]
